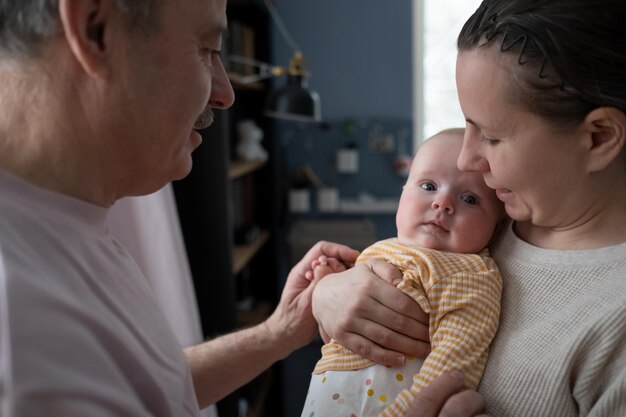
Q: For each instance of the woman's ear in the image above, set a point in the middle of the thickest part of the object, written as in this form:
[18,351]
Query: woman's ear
[607,128]
[86,26]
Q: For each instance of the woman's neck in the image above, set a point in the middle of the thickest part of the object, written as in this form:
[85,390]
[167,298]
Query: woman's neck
[605,228]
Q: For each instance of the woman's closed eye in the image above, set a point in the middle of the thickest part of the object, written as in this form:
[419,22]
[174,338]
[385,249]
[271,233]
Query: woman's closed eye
[489,141]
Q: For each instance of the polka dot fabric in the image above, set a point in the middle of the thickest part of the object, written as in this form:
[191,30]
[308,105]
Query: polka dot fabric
[337,393]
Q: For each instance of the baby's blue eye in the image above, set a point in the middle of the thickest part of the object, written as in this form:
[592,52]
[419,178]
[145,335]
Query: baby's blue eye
[470,199]
[427,186]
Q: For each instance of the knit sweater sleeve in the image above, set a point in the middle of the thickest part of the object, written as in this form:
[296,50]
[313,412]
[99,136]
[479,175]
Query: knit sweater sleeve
[612,400]
[599,368]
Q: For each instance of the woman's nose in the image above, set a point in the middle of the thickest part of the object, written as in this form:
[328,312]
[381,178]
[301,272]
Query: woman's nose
[470,157]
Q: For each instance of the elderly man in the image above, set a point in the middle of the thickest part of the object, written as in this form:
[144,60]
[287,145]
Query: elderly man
[102,99]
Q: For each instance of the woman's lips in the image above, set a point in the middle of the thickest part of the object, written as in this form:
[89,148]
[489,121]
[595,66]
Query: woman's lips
[503,194]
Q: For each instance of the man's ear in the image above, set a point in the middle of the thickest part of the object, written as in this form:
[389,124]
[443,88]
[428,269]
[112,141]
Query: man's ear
[607,128]
[86,24]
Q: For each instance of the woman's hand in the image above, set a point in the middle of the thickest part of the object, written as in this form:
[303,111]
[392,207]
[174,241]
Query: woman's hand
[448,397]
[369,315]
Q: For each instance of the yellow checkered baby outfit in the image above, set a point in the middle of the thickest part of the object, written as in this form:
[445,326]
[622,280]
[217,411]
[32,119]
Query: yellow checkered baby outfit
[460,292]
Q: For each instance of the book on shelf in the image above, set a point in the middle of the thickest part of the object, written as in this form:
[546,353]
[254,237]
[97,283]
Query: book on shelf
[241,42]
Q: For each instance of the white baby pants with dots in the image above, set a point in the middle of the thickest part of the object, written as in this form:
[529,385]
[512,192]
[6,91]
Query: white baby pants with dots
[361,393]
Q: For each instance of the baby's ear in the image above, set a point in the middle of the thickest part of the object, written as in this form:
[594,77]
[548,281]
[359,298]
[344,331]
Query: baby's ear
[606,135]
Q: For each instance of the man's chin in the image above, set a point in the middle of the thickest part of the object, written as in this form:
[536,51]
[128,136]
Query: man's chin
[184,171]
[195,139]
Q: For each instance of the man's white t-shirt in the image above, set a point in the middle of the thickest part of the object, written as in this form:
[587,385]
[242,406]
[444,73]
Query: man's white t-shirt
[80,331]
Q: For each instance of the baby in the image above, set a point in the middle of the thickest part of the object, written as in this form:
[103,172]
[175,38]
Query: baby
[445,220]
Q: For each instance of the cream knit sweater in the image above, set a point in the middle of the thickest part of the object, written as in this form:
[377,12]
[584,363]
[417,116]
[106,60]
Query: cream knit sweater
[561,346]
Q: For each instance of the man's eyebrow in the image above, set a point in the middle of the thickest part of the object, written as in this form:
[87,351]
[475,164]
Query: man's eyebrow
[221,30]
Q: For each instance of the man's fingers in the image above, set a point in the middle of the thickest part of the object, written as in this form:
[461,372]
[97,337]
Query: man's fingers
[323,249]
[343,253]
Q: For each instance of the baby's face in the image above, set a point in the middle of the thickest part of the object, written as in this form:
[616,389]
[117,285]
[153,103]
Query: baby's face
[443,208]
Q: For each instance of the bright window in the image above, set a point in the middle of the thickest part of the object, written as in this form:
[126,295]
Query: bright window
[437,25]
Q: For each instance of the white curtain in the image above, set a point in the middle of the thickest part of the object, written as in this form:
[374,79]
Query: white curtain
[149,229]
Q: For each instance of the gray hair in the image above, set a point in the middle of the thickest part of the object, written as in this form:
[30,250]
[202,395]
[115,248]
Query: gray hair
[25,23]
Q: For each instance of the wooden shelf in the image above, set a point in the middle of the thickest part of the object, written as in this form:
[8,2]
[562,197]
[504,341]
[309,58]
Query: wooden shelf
[242,254]
[235,80]
[240,168]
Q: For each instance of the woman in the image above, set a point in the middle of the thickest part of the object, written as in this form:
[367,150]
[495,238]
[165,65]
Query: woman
[542,85]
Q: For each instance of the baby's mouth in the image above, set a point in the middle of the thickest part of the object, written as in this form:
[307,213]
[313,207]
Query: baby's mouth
[436,225]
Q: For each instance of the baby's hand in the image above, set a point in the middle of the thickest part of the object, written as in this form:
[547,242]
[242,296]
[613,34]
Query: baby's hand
[323,266]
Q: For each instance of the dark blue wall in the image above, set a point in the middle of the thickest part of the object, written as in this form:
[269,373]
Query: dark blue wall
[359,52]
[316,147]
[360,56]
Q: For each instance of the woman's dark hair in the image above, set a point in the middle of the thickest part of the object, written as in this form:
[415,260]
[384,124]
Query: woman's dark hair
[570,54]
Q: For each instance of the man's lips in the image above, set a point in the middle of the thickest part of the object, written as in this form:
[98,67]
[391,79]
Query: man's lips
[204,120]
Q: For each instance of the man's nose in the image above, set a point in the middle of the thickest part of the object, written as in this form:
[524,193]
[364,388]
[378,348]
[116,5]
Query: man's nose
[222,94]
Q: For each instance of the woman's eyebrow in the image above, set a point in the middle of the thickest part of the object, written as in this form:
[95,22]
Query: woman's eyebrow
[470,121]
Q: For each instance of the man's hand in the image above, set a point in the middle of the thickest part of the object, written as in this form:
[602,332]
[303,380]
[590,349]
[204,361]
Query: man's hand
[226,363]
[369,316]
[292,321]
[448,397]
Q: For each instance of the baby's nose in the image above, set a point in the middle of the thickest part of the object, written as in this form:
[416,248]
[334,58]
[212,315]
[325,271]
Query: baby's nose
[443,202]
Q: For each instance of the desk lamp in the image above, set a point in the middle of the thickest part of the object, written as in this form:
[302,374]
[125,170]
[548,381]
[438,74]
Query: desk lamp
[294,100]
